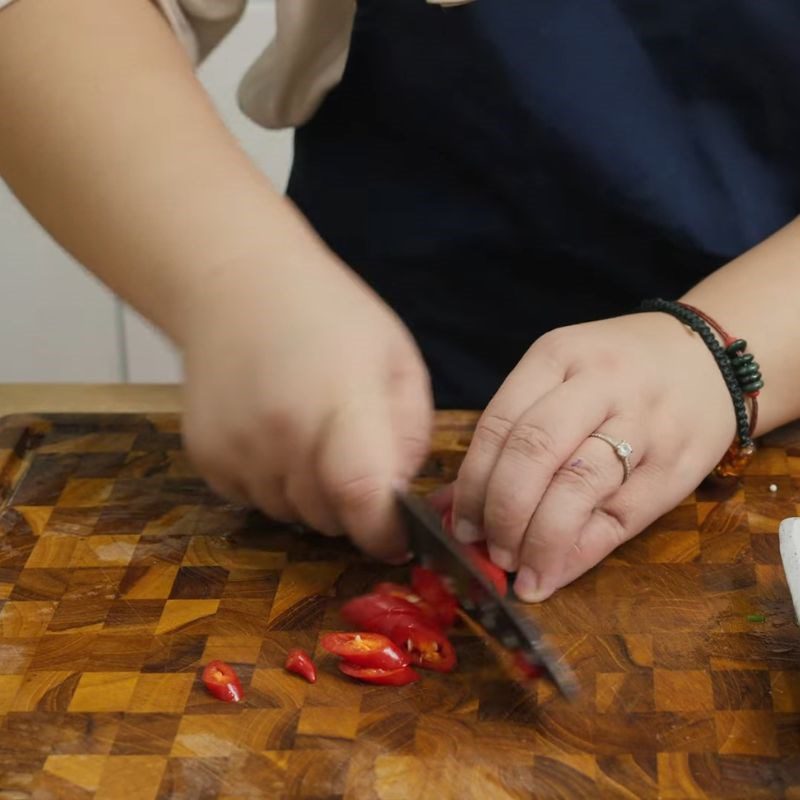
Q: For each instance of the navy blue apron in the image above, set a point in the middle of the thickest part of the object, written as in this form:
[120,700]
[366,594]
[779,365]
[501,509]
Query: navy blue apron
[499,169]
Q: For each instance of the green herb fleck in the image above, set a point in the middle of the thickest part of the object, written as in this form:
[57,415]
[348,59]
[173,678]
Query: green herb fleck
[755,618]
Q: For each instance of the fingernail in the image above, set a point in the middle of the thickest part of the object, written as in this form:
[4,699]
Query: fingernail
[399,561]
[466,532]
[400,485]
[502,557]
[529,588]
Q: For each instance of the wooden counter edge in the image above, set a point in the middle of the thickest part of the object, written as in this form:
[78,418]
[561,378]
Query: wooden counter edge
[89,398]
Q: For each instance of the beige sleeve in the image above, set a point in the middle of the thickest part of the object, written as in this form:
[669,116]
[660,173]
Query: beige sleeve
[201,25]
[296,70]
[290,79]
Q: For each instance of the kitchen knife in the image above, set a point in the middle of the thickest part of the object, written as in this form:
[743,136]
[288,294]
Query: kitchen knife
[513,631]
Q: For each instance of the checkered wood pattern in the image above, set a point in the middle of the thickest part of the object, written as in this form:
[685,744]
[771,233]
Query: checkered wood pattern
[121,575]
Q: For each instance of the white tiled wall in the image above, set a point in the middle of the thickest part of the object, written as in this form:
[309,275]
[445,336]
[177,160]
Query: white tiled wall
[57,322]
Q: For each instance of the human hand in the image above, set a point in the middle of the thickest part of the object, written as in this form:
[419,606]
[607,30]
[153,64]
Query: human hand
[307,398]
[550,500]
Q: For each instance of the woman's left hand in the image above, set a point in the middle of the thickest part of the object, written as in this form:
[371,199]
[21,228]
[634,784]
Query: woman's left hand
[549,497]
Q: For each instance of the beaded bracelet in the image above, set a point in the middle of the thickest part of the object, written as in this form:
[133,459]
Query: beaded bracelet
[740,372]
[747,370]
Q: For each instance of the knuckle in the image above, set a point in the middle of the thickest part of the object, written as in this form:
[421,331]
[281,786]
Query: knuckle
[277,422]
[555,346]
[615,520]
[200,450]
[492,431]
[609,361]
[505,516]
[355,493]
[579,475]
[414,450]
[532,442]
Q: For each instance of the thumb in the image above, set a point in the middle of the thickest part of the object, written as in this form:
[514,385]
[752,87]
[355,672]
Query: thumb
[357,472]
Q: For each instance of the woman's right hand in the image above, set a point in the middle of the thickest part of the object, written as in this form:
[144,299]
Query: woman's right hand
[306,397]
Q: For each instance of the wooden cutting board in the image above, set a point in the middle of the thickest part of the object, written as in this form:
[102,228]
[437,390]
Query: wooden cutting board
[121,575]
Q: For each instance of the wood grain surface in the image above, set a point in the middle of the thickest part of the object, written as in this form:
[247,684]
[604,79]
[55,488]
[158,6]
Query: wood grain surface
[121,576]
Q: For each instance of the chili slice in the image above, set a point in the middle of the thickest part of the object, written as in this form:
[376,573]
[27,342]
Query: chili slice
[410,595]
[427,647]
[478,554]
[528,670]
[433,591]
[222,681]
[366,650]
[299,662]
[383,677]
[376,612]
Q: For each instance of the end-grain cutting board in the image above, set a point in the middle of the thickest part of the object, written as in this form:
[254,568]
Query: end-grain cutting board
[121,575]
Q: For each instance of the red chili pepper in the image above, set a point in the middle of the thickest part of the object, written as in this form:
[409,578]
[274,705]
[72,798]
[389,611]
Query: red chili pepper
[408,594]
[299,662]
[528,670]
[447,521]
[221,681]
[384,677]
[428,647]
[478,553]
[366,650]
[433,591]
[378,613]
[405,625]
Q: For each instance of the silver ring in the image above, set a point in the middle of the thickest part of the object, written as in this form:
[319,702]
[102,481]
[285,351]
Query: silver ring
[622,448]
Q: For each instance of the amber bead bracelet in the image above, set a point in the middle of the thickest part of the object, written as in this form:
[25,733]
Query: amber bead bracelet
[739,370]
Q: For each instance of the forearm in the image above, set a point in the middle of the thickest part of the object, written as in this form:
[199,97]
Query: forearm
[112,144]
[757,297]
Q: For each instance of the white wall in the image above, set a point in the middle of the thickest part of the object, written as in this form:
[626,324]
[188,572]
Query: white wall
[63,324]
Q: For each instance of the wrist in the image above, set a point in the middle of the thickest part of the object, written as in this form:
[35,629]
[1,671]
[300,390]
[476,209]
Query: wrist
[740,373]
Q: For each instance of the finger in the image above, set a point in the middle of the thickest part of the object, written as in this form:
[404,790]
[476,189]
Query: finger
[230,490]
[269,495]
[588,478]
[522,388]
[356,465]
[303,491]
[543,439]
[441,499]
[411,411]
[639,503]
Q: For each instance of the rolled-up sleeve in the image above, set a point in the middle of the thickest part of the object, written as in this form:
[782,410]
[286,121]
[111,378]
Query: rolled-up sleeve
[200,25]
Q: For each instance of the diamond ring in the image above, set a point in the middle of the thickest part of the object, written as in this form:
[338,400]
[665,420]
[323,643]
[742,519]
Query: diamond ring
[622,448]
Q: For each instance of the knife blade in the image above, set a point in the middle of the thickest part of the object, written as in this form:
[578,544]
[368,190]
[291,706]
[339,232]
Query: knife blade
[513,631]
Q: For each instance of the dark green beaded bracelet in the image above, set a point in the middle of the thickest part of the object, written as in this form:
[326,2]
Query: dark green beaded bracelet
[746,368]
[739,370]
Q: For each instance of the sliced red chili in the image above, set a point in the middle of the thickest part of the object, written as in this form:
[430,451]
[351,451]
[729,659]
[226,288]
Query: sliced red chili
[478,554]
[378,613]
[433,591]
[447,520]
[408,594]
[299,662]
[366,650]
[222,681]
[428,647]
[384,677]
[528,670]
